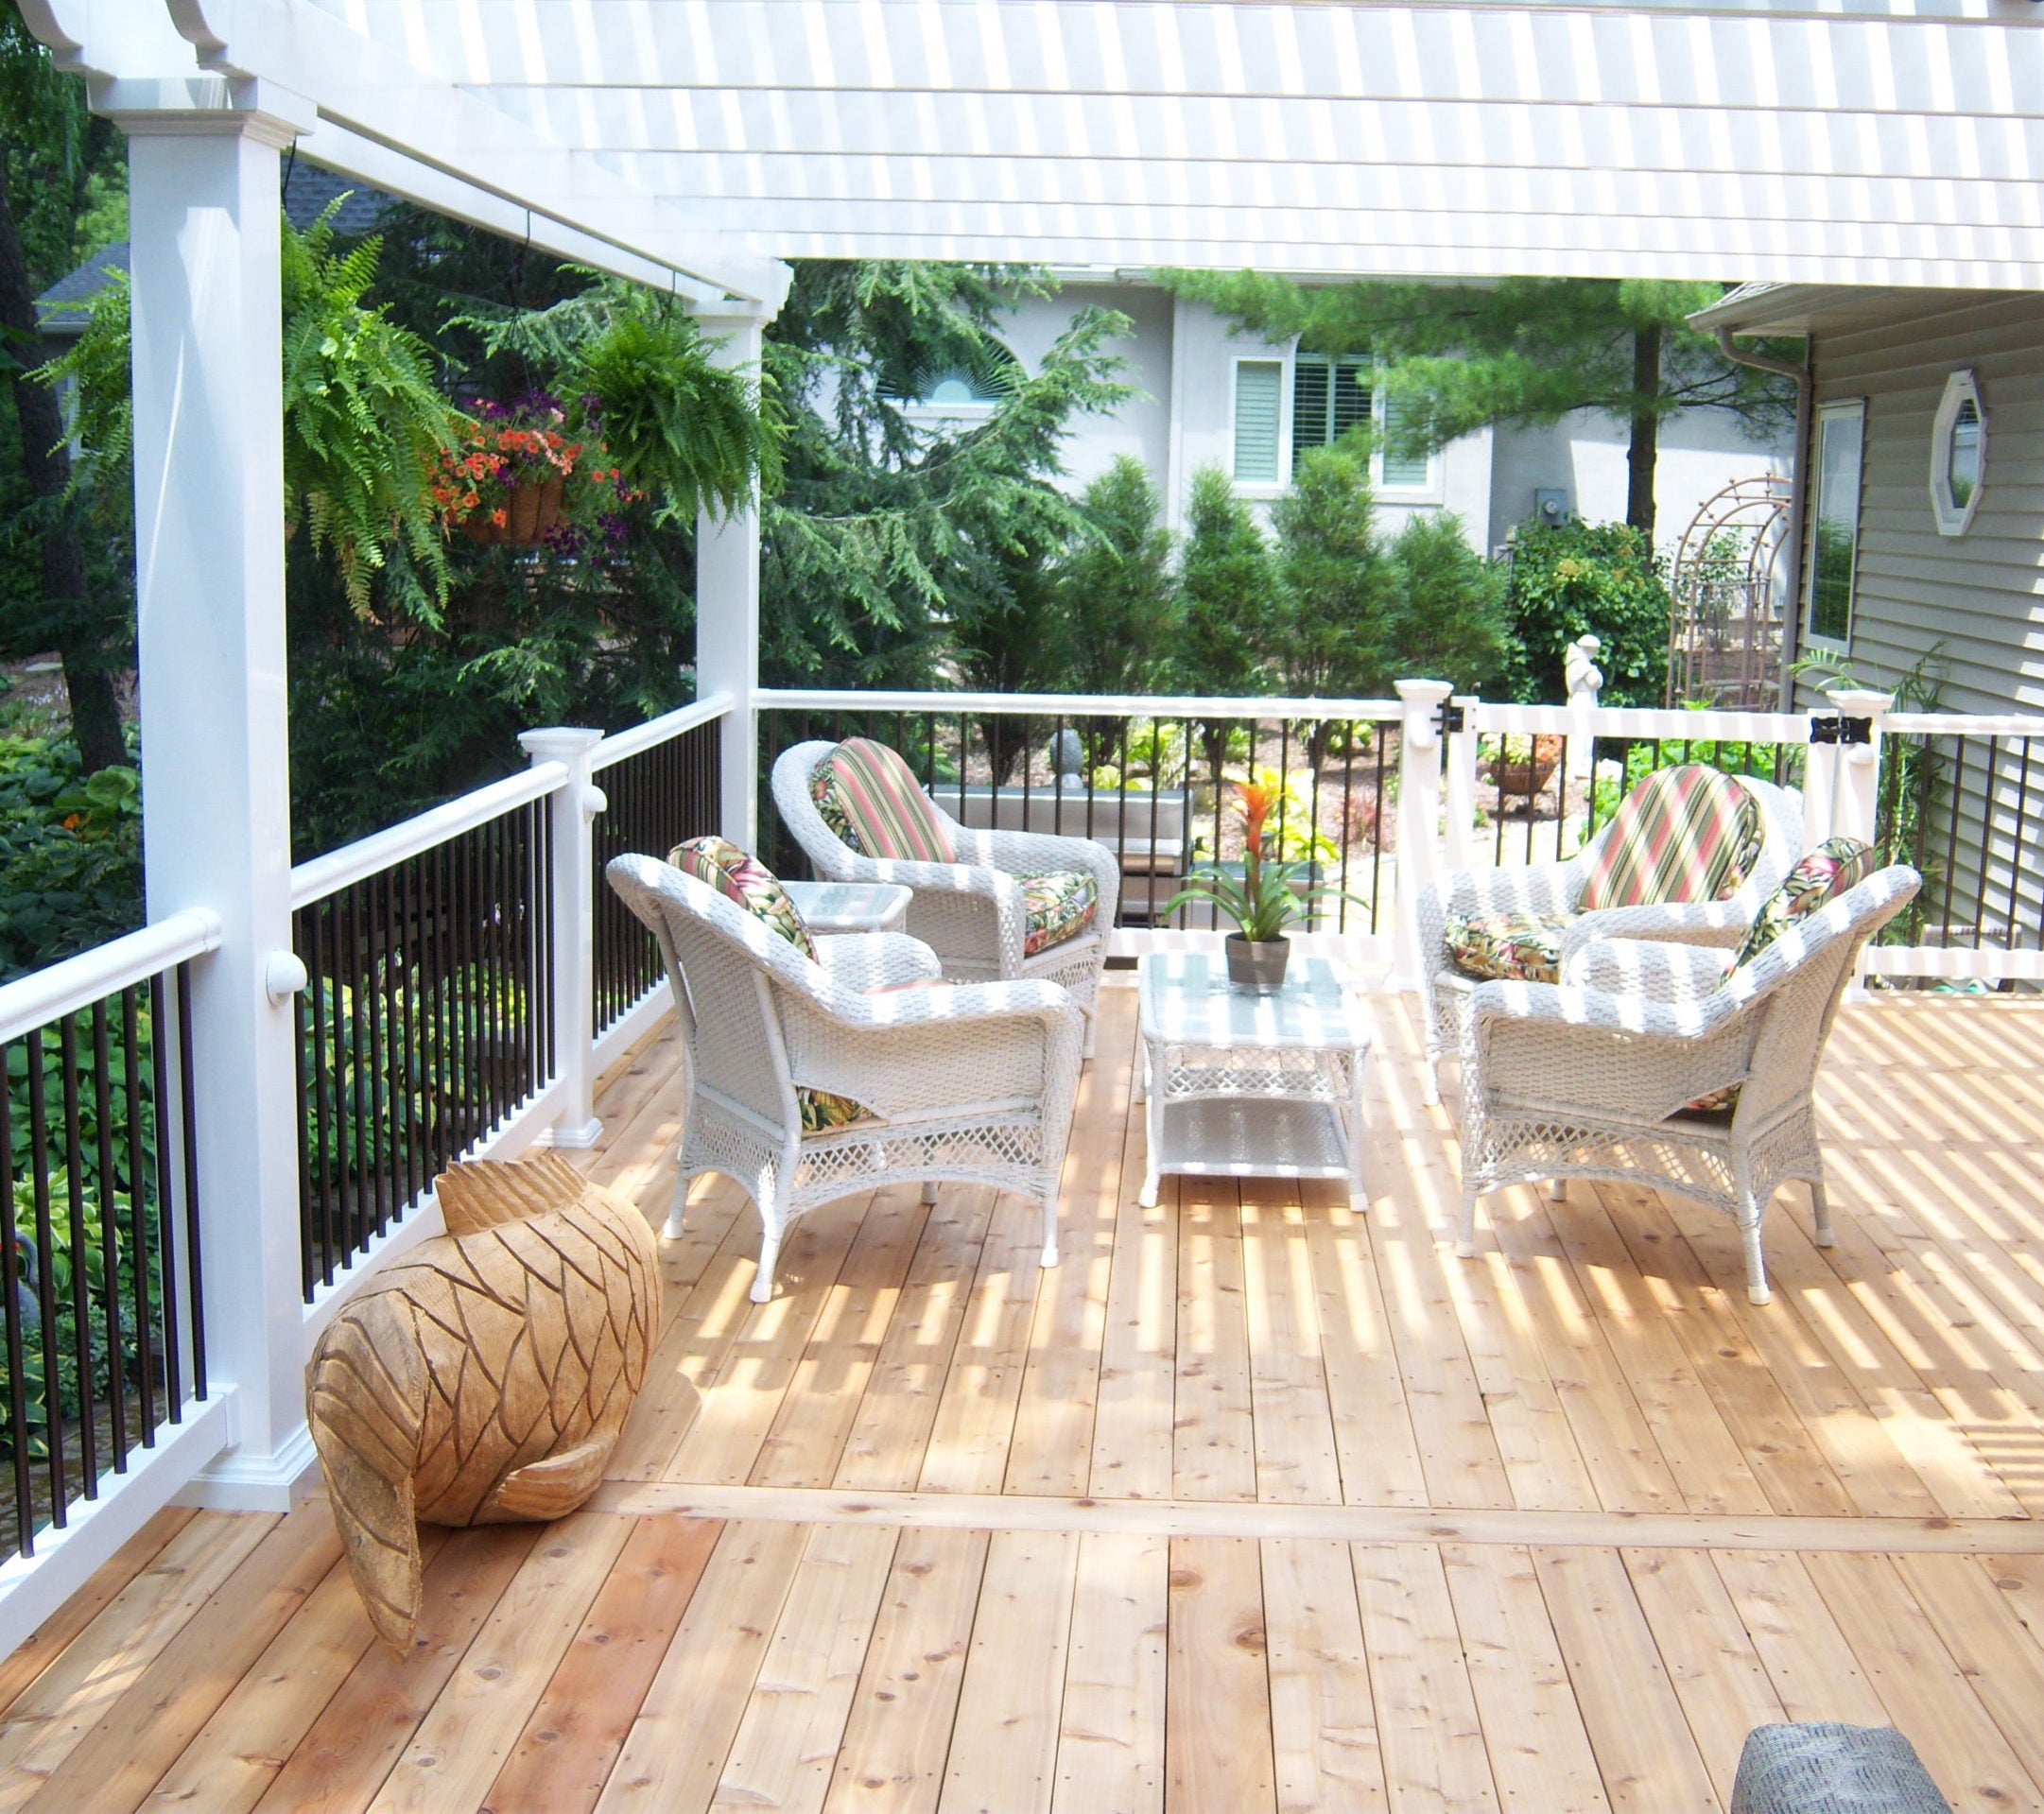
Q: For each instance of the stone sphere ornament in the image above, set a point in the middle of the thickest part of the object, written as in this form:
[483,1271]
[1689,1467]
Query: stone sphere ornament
[484,1379]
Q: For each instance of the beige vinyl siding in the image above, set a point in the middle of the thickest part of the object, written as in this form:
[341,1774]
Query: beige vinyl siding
[1981,593]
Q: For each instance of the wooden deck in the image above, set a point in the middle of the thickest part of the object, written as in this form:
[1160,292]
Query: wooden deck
[1252,1505]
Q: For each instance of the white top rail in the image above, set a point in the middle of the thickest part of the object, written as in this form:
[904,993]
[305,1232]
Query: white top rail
[1663,722]
[1073,705]
[661,730]
[328,874]
[1962,724]
[65,988]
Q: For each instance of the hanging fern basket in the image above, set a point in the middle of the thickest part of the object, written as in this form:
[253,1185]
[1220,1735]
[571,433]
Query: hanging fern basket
[531,512]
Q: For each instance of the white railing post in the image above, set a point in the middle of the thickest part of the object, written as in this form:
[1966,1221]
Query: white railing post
[1459,815]
[573,808]
[1419,815]
[1856,800]
[203,170]
[727,609]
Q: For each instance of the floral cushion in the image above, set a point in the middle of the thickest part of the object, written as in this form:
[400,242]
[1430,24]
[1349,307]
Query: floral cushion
[1507,946]
[749,883]
[746,881]
[870,799]
[1835,866]
[1061,905]
[1686,834]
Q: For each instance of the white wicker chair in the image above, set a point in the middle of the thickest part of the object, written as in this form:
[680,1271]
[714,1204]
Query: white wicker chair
[1592,1078]
[970,913]
[970,1082]
[1554,889]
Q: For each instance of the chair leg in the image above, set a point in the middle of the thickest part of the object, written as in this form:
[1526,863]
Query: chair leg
[1050,1226]
[930,1190]
[1465,1243]
[1429,1083]
[770,1253]
[1092,1030]
[1820,1209]
[1557,1190]
[678,1207]
[1757,1292]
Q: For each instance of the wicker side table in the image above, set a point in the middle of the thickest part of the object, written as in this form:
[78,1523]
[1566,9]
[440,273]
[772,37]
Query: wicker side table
[1243,1085]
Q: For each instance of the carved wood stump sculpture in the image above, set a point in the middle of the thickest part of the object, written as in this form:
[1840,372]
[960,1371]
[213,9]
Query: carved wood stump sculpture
[484,1379]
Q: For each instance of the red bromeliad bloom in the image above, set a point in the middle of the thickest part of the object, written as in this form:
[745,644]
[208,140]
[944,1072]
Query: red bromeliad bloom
[1257,798]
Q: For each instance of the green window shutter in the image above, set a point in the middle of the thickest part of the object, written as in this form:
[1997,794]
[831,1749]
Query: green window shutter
[1309,406]
[1259,392]
[1402,472]
[1351,396]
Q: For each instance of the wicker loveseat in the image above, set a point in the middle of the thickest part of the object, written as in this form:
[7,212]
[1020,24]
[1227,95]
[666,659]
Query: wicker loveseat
[1667,1065]
[810,1079]
[981,912]
[1553,892]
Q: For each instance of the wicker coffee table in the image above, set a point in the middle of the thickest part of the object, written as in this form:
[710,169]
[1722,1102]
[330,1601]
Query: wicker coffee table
[1243,1085]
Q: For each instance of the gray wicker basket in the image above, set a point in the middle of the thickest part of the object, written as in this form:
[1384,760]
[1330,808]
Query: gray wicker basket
[1824,1767]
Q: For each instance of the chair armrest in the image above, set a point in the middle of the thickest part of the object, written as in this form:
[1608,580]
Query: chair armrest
[1666,972]
[1565,1048]
[1721,924]
[1041,853]
[863,960]
[948,1045]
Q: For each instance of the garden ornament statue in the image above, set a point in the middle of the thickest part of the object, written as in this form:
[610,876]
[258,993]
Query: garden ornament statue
[1068,760]
[484,1377]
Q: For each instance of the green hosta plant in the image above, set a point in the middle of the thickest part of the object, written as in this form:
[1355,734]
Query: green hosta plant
[1264,899]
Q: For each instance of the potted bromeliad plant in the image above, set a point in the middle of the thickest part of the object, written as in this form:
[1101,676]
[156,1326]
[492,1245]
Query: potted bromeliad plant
[1263,901]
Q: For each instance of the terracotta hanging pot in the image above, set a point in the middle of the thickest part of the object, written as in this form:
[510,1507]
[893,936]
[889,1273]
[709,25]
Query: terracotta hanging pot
[531,515]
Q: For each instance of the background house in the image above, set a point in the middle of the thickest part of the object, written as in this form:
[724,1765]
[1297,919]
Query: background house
[1211,397]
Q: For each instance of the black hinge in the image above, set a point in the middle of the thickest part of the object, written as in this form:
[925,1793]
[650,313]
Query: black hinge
[1834,728]
[1450,718]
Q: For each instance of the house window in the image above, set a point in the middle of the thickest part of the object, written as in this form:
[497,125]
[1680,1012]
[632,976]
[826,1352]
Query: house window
[1259,391]
[1834,509]
[1331,396]
[1958,454]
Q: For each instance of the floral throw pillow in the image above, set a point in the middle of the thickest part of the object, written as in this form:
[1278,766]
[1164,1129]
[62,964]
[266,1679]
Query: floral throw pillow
[1508,947]
[1835,866]
[748,883]
[1059,904]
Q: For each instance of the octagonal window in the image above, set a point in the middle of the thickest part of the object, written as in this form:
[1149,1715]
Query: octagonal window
[1958,454]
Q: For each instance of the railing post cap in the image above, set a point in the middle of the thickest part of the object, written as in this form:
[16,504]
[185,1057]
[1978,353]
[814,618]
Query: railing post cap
[1424,693]
[1860,702]
[559,742]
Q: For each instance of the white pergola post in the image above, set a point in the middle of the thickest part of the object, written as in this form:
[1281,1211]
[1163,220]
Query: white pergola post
[727,609]
[217,823]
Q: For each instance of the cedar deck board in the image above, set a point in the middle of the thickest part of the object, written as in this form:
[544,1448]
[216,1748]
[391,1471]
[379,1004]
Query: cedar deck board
[1578,1491]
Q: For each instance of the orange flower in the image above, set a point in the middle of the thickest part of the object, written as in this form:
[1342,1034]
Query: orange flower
[500,518]
[1257,798]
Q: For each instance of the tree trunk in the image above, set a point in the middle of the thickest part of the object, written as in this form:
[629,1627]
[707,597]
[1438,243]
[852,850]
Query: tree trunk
[96,715]
[1645,449]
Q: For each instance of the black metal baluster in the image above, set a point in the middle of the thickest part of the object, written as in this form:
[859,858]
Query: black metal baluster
[170,1132]
[376,1004]
[195,1270]
[39,1160]
[81,1302]
[11,1280]
[146,1251]
[1952,829]
[110,1246]
[301,1014]
[1987,835]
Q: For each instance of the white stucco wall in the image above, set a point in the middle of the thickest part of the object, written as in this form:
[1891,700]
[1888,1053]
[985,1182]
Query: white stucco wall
[1701,452]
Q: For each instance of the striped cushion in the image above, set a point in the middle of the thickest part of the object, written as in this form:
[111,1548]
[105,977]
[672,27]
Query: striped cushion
[869,796]
[746,881]
[1688,833]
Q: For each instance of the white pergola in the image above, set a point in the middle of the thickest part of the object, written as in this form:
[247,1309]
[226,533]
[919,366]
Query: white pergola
[695,144]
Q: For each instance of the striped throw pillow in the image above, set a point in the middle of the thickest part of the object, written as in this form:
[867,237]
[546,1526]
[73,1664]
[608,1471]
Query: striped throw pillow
[872,793]
[746,882]
[1686,834]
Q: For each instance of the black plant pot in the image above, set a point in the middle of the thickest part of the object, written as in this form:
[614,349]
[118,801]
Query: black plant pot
[1256,963]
